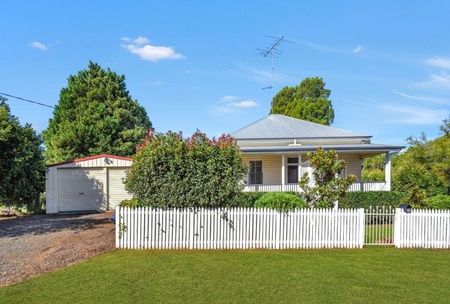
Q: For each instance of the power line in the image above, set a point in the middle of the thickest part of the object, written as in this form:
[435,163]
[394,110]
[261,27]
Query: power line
[27,100]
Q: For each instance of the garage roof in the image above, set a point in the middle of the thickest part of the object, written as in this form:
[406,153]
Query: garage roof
[92,157]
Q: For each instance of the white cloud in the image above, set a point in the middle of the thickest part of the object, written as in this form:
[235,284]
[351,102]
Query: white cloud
[423,98]
[408,115]
[230,103]
[229,98]
[141,47]
[415,115]
[439,62]
[436,81]
[244,104]
[358,49]
[38,45]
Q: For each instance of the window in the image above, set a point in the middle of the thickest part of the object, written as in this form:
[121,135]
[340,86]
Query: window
[293,160]
[255,174]
[292,170]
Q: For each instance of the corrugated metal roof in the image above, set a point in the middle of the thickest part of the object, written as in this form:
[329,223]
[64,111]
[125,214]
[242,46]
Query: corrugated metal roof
[276,126]
[308,148]
[77,160]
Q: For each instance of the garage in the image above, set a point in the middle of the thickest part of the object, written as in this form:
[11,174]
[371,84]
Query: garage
[92,183]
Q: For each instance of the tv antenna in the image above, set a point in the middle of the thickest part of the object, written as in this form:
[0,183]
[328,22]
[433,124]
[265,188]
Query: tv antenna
[271,51]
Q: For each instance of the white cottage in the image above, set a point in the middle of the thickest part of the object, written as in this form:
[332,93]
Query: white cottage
[274,148]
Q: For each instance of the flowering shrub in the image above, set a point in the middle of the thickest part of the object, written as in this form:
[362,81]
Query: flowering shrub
[169,171]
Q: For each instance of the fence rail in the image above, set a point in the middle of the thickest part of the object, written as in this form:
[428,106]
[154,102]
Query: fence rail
[422,229]
[238,228]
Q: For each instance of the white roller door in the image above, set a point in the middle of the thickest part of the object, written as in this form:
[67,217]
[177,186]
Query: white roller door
[80,189]
[117,192]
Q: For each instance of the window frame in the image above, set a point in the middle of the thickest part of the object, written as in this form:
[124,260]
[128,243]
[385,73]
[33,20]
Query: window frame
[292,164]
[257,175]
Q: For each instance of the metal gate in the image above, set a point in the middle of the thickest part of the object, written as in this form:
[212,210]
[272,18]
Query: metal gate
[379,226]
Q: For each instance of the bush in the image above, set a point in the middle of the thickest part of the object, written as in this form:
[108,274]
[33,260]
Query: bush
[364,199]
[134,202]
[247,199]
[438,202]
[281,201]
[169,171]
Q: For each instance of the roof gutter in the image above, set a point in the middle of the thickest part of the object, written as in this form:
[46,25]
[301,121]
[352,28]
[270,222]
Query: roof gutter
[311,149]
[291,138]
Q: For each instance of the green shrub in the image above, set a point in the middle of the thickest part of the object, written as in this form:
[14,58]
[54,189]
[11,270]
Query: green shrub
[364,199]
[134,202]
[438,202]
[281,201]
[247,199]
[170,171]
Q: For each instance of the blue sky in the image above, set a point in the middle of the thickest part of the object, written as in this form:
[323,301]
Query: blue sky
[193,64]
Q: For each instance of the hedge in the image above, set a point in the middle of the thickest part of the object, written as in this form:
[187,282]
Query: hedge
[248,199]
[244,199]
[280,201]
[438,202]
[365,199]
[170,171]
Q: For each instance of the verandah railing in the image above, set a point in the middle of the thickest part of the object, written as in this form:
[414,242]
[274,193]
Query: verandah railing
[359,186]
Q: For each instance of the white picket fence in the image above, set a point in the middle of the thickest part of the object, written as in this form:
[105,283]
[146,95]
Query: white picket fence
[238,228]
[422,229]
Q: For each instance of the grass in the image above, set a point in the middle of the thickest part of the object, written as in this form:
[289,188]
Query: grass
[370,275]
[378,233]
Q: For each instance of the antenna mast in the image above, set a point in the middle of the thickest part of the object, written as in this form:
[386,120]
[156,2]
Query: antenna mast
[270,51]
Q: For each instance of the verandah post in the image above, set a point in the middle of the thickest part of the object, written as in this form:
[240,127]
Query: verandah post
[387,172]
[283,172]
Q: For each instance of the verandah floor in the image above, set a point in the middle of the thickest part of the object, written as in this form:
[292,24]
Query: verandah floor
[369,275]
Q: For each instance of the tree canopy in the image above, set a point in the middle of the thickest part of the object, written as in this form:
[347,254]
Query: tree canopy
[308,101]
[328,186]
[423,170]
[95,114]
[22,167]
[169,171]
[425,166]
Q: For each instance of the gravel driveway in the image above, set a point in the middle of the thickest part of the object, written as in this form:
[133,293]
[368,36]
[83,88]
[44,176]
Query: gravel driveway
[36,244]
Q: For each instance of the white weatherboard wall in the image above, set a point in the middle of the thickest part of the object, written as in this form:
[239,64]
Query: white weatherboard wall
[92,184]
[117,192]
[422,229]
[238,228]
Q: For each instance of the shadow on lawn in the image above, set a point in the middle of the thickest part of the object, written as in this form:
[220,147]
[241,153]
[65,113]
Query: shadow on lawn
[42,224]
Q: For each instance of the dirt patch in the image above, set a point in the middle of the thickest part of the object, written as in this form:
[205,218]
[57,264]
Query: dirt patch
[37,244]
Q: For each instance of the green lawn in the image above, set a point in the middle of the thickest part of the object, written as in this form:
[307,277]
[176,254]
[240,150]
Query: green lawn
[378,233]
[370,275]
